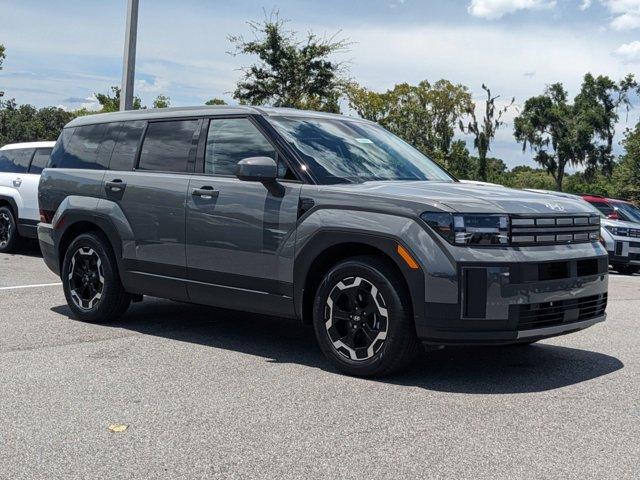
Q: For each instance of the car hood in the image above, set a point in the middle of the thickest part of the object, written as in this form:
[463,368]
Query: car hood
[469,198]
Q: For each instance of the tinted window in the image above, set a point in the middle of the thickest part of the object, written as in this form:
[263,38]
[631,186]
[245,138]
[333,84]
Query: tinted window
[81,150]
[168,146]
[15,160]
[605,208]
[40,160]
[124,153]
[232,140]
[345,151]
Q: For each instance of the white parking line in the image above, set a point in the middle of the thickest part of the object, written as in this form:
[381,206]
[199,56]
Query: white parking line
[31,286]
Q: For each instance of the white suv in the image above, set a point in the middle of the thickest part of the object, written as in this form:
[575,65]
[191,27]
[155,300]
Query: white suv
[20,167]
[622,240]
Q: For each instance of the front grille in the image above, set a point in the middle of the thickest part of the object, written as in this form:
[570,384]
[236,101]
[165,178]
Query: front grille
[634,232]
[555,229]
[549,314]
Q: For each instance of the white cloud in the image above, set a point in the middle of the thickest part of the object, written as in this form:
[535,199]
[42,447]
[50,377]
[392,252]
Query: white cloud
[158,85]
[626,21]
[629,52]
[626,13]
[585,4]
[494,9]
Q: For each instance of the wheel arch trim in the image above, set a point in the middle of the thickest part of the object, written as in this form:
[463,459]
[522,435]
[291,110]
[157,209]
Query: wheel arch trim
[325,239]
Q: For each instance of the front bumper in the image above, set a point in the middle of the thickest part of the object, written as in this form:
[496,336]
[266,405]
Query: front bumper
[538,293]
[624,252]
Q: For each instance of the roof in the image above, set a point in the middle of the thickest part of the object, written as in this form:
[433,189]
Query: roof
[178,112]
[600,199]
[16,146]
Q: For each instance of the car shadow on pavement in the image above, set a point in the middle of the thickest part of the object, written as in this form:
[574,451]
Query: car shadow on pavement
[472,370]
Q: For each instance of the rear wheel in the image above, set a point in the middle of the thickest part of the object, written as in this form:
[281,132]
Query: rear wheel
[9,235]
[362,318]
[90,280]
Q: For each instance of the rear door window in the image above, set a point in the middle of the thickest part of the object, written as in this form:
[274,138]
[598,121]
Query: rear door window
[15,160]
[169,146]
[81,150]
[124,153]
[40,160]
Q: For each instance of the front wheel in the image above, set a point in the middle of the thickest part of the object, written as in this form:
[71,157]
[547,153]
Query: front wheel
[8,230]
[362,318]
[90,280]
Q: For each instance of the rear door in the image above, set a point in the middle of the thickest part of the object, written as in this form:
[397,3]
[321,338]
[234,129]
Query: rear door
[29,187]
[14,165]
[152,198]
[236,235]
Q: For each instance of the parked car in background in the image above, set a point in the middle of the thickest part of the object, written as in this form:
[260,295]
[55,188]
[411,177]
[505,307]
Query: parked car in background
[622,241]
[20,168]
[325,218]
[615,209]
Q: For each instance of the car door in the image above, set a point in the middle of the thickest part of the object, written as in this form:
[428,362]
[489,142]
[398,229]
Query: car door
[15,165]
[29,186]
[238,232]
[152,200]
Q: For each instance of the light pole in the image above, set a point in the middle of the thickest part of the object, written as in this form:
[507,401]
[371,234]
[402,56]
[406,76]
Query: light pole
[129,62]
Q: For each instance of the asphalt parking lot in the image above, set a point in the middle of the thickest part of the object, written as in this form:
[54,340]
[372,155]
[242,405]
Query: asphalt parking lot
[215,394]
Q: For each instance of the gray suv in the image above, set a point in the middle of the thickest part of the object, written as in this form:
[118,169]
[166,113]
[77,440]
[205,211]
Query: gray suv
[324,218]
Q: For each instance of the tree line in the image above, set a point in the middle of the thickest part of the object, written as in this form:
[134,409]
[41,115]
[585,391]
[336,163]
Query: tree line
[289,71]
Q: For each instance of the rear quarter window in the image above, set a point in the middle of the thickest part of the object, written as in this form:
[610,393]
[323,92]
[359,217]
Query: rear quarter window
[79,148]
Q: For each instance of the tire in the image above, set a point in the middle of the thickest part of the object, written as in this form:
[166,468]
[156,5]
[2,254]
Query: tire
[626,269]
[362,331]
[9,236]
[102,299]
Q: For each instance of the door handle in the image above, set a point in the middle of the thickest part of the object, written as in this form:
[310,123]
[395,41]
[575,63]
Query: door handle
[206,192]
[17,182]
[116,185]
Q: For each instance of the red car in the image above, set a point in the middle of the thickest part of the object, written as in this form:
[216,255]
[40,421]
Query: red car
[614,209]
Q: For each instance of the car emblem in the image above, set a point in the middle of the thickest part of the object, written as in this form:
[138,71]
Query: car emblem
[556,207]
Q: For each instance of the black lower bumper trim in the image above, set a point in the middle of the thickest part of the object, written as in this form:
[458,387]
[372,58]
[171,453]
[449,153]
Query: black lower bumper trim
[438,337]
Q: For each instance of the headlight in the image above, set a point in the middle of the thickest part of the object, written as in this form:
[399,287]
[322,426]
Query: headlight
[618,231]
[470,229]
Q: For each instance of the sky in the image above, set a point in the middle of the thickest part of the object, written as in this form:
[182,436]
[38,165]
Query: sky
[60,53]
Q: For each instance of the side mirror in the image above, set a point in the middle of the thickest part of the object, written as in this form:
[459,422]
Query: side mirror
[257,169]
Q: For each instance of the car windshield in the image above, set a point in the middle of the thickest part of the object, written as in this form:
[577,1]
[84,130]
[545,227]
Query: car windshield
[347,151]
[628,211]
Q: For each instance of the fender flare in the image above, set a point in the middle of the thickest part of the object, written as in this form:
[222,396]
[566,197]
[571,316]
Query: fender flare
[329,237]
[11,201]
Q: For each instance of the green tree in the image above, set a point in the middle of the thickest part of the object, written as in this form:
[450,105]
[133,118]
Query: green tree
[110,102]
[581,133]
[626,176]
[526,177]
[598,103]
[215,101]
[2,57]
[162,101]
[484,132]
[289,72]
[424,115]
[459,162]
[25,123]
